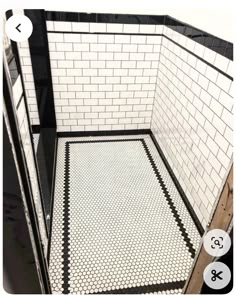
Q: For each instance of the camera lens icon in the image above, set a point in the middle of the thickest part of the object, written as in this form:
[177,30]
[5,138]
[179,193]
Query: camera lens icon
[217,242]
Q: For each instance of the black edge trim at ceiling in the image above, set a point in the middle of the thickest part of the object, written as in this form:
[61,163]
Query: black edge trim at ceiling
[210,41]
[178,186]
[52,198]
[35,128]
[162,35]
[102,133]
[66,218]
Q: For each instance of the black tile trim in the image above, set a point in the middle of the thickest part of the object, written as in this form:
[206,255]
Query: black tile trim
[210,41]
[178,186]
[35,128]
[52,198]
[102,133]
[19,101]
[162,35]
[66,221]
[148,289]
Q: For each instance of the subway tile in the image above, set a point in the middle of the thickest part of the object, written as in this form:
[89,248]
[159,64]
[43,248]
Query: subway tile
[113,47]
[80,27]
[138,39]
[130,28]
[71,38]
[122,39]
[106,38]
[62,26]
[80,47]
[89,38]
[55,37]
[97,27]
[115,28]
[148,29]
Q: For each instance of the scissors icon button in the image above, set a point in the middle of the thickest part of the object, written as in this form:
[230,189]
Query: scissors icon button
[216,275]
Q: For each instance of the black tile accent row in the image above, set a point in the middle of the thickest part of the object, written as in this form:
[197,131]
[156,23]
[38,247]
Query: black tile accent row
[66,222]
[212,42]
[140,34]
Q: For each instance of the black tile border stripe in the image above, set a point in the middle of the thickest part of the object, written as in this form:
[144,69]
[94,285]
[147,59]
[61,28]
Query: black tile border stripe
[141,34]
[178,186]
[66,223]
[210,41]
[147,288]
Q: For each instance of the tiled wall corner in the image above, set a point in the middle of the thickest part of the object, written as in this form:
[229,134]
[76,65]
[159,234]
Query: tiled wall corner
[193,119]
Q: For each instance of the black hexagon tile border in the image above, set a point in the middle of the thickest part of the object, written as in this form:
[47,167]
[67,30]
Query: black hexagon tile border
[119,223]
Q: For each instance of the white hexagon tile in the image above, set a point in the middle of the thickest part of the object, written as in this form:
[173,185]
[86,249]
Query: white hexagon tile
[119,223]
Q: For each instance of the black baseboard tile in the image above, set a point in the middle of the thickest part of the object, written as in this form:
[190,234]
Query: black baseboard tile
[102,133]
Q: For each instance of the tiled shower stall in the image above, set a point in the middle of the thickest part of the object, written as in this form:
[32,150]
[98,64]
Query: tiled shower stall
[160,91]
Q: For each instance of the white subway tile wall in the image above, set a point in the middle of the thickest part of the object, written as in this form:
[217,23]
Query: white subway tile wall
[192,119]
[114,81]
[26,67]
[103,81]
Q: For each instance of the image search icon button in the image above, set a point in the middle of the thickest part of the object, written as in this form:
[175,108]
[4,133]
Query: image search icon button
[217,242]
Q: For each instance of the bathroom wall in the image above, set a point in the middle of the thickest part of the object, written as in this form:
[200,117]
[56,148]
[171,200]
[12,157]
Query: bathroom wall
[103,81]
[193,117]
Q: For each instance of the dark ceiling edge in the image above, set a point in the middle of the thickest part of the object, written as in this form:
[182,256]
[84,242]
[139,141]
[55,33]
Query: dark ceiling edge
[210,41]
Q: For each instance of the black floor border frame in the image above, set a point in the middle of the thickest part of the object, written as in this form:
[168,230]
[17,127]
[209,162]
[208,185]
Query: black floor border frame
[160,152]
[66,217]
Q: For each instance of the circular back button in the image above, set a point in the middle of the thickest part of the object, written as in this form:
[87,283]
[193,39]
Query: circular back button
[217,242]
[19,28]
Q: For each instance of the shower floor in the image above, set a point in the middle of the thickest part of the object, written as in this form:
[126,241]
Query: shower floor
[119,223]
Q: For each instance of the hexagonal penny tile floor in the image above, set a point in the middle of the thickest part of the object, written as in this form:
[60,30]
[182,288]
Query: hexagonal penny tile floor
[119,223]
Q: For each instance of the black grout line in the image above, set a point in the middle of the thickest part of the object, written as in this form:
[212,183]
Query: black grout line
[162,35]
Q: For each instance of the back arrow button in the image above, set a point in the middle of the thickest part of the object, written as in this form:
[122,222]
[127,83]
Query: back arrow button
[18,28]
